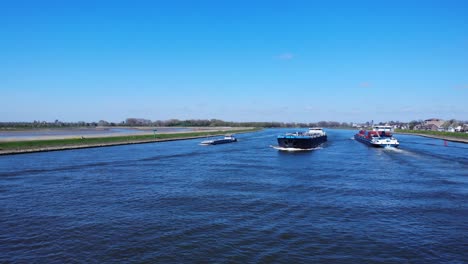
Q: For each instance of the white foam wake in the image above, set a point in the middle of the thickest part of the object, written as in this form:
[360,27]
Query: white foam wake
[392,149]
[294,149]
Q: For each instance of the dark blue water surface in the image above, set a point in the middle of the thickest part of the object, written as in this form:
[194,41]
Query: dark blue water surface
[175,202]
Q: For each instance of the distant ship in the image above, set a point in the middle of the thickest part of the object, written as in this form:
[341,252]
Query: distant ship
[379,136]
[226,139]
[302,140]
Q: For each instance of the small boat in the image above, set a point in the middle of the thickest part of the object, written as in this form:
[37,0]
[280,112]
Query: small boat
[379,136]
[311,139]
[226,139]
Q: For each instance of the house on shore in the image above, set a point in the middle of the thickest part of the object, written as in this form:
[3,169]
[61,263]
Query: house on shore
[434,121]
[431,127]
[433,124]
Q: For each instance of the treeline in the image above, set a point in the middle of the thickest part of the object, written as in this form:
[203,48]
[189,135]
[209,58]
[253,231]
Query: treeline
[415,124]
[221,123]
[56,124]
[218,123]
[171,123]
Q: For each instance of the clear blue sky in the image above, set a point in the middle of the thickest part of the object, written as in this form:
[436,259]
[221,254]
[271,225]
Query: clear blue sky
[291,61]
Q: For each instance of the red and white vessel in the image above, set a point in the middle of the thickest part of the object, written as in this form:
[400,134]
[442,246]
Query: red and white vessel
[379,136]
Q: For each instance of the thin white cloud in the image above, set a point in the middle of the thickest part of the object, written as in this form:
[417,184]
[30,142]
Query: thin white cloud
[365,85]
[285,56]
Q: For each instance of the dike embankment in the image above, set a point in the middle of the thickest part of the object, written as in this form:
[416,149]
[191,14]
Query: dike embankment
[448,138]
[45,144]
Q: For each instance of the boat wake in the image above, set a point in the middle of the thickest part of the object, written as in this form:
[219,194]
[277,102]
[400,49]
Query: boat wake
[393,149]
[294,149]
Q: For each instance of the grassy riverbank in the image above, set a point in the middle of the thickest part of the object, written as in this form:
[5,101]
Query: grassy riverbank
[12,147]
[434,133]
[450,136]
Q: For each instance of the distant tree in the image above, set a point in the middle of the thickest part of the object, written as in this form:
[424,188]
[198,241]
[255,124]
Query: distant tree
[322,124]
[451,123]
[173,122]
[344,124]
[412,124]
[103,123]
[131,122]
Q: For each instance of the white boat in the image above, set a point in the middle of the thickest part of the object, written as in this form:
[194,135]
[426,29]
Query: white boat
[380,136]
[226,139]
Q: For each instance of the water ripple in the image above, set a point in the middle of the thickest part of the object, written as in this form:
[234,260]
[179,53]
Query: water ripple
[178,202]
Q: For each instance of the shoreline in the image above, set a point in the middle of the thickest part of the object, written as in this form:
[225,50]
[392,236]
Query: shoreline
[452,139]
[213,133]
[100,132]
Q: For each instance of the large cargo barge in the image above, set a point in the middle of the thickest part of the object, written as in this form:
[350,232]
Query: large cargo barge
[311,139]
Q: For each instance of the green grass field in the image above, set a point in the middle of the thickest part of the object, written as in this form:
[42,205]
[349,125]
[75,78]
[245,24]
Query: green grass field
[38,144]
[435,133]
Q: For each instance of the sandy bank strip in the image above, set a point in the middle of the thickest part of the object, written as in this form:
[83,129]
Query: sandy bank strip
[453,139]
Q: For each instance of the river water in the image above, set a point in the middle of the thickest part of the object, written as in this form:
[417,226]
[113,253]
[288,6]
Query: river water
[244,202]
